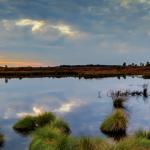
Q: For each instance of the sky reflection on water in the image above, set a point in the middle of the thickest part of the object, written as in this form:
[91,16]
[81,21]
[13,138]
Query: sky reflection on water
[73,99]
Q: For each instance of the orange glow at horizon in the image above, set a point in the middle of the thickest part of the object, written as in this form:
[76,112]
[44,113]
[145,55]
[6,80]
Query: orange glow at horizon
[21,63]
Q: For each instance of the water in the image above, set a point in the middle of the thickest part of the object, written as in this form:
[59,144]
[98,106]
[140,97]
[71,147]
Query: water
[84,104]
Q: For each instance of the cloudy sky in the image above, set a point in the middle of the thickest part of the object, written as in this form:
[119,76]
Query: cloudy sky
[53,32]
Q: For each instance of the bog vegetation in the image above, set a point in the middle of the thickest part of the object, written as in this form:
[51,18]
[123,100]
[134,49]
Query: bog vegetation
[54,134]
[49,132]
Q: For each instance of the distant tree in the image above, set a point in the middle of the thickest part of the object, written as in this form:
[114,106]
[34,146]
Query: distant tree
[124,64]
[141,64]
[147,64]
[132,64]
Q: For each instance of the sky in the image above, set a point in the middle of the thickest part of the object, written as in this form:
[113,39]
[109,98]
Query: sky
[54,32]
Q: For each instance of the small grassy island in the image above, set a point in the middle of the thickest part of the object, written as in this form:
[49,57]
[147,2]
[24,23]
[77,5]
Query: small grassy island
[116,124]
[30,123]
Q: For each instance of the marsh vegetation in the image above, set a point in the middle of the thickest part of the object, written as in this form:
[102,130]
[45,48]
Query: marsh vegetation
[49,132]
[125,94]
[55,135]
[115,125]
[2,140]
[29,123]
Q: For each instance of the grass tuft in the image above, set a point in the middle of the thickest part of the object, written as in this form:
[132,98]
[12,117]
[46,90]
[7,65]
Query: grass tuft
[48,138]
[118,102]
[86,143]
[29,123]
[132,143]
[25,125]
[142,134]
[116,124]
[44,119]
[62,126]
[2,140]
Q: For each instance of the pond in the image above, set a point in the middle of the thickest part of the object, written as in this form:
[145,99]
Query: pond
[84,104]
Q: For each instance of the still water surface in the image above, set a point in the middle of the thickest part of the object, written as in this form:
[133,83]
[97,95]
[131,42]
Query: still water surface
[84,104]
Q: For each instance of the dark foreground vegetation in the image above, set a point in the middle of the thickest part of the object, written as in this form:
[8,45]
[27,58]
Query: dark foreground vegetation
[80,71]
[2,140]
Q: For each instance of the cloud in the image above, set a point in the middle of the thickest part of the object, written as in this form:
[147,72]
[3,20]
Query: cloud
[43,27]
[64,29]
[35,111]
[121,47]
[36,25]
[127,3]
[70,106]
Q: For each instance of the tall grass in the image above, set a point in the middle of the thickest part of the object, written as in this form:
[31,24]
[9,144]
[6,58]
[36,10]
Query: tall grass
[86,143]
[132,143]
[51,133]
[29,123]
[25,125]
[116,124]
[44,119]
[48,138]
[118,102]
[142,134]
[62,126]
[2,140]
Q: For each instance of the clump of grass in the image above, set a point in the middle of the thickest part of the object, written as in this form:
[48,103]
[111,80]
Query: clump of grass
[25,125]
[29,123]
[62,126]
[132,143]
[44,119]
[67,143]
[142,134]
[48,138]
[2,140]
[86,143]
[118,102]
[116,124]
[44,138]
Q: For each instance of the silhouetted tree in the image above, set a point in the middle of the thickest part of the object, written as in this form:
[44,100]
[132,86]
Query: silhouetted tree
[141,64]
[124,64]
[147,64]
[132,64]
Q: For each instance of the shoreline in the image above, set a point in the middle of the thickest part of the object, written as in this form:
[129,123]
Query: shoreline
[83,71]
